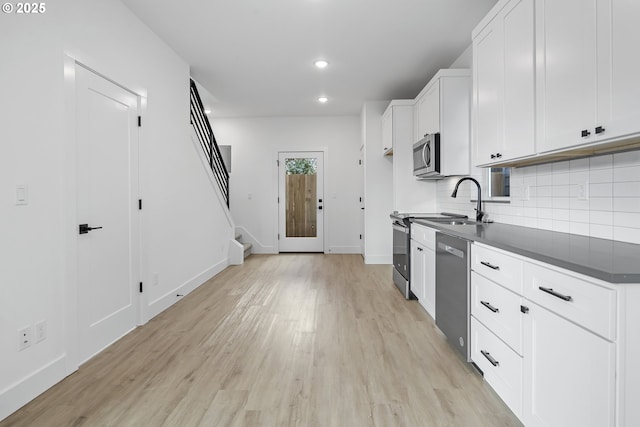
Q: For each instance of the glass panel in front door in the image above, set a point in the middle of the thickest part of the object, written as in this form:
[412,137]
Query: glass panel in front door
[301,197]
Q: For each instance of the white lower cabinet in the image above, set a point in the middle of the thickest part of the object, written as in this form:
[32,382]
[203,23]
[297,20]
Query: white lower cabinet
[501,366]
[545,339]
[417,270]
[569,373]
[423,267]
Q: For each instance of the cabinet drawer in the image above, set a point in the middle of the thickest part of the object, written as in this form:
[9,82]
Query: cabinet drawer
[498,309]
[501,366]
[497,266]
[424,235]
[587,304]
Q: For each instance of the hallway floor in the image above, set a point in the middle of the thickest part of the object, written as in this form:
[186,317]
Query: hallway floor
[283,340]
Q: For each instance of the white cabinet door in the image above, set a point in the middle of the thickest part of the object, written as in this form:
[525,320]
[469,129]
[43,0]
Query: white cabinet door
[504,86]
[567,74]
[569,373]
[619,110]
[428,111]
[417,270]
[429,294]
[387,131]
[487,93]
[519,80]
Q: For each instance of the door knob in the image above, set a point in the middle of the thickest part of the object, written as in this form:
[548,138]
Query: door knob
[84,228]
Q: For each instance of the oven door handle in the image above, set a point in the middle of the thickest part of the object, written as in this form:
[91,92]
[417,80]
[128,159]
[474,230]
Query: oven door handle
[400,228]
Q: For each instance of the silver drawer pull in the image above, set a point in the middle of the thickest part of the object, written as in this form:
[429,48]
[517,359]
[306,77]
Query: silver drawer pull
[491,266]
[489,306]
[555,294]
[491,360]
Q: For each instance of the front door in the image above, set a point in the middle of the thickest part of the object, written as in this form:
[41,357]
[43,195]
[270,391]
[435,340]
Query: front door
[107,177]
[301,201]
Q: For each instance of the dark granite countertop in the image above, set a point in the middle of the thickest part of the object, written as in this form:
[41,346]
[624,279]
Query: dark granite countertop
[608,260]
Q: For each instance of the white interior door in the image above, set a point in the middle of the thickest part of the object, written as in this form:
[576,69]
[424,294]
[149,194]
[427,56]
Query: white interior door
[301,201]
[107,183]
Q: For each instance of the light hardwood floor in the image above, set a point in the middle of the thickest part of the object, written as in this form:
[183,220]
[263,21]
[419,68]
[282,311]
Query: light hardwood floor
[283,340]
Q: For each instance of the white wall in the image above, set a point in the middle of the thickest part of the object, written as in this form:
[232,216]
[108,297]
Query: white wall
[409,194]
[378,186]
[184,235]
[255,143]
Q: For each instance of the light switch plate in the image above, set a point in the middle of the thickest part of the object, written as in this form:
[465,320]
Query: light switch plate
[22,195]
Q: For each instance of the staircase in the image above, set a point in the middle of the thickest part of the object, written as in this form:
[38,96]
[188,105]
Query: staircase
[246,246]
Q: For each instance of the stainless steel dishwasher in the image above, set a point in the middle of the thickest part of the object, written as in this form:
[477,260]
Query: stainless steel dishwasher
[452,291]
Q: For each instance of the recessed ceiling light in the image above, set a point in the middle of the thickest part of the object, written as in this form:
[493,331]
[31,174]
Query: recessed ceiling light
[207,111]
[323,99]
[321,63]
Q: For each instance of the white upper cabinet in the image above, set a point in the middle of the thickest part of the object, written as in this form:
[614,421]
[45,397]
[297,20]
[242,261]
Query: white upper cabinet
[443,107]
[428,112]
[504,84]
[395,127]
[588,91]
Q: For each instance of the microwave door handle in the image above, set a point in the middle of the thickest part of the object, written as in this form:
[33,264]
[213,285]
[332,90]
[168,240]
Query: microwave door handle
[424,160]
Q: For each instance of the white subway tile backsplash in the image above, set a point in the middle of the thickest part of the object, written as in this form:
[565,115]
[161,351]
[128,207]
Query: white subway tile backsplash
[561,215]
[545,169]
[552,197]
[579,216]
[626,204]
[626,174]
[601,162]
[601,231]
[579,228]
[561,179]
[601,175]
[626,219]
[560,167]
[604,189]
[544,191]
[561,202]
[543,180]
[601,203]
[561,226]
[601,217]
[627,158]
[562,190]
[626,234]
[626,189]
[545,202]
[579,165]
[579,177]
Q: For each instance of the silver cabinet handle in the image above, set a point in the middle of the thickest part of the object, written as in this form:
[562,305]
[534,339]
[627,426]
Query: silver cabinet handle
[491,360]
[489,306]
[555,294]
[491,266]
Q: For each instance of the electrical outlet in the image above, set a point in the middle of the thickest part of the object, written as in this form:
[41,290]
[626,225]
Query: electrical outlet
[25,337]
[583,191]
[41,331]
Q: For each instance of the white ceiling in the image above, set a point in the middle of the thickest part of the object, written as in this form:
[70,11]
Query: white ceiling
[256,56]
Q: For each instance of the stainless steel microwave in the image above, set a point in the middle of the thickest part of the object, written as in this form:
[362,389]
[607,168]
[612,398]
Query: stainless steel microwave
[426,157]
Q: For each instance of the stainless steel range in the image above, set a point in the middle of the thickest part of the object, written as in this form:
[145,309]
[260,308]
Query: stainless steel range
[401,223]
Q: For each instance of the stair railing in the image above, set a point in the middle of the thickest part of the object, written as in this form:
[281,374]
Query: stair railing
[203,130]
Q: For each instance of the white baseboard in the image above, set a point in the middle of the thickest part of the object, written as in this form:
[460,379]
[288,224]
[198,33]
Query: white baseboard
[378,259]
[19,394]
[344,250]
[167,300]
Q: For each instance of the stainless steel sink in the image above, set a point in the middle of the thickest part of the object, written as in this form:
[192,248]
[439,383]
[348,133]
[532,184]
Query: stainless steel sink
[455,221]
